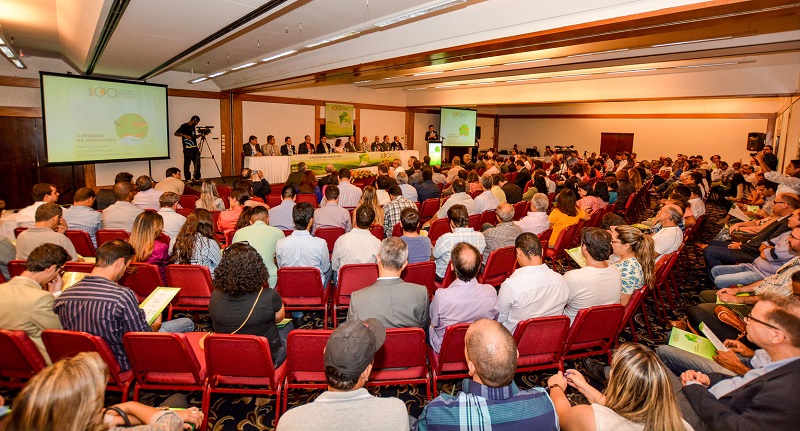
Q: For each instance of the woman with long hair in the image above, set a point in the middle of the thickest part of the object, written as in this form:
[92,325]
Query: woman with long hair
[638,397]
[308,185]
[227,219]
[637,262]
[338,147]
[539,182]
[333,180]
[473,181]
[69,396]
[624,189]
[635,178]
[209,197]
[146,228]
[370,198]
[611,186]
[196,243]
[590,201]
[565,214]
[242,302]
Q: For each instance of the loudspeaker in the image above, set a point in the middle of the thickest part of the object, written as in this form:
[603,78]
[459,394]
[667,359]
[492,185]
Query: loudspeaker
[477,132]
[755,141]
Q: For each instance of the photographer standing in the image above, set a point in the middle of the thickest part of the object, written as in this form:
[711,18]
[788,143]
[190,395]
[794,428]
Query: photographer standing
[191,154]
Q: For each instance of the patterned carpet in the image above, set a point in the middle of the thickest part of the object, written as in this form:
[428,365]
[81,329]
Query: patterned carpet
[247,413]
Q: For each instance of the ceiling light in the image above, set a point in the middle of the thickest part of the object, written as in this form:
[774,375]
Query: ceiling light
[427,73]
[525,61]
[482,83]
[569,76]
[18,63]
[244,66]
[363,82]
[730,63]
[598,52]
[214,75]
[283,54]
[2,41]
[7,51]
[630,71]
[195,81]
[469,68]
[333,39]
[521,80]
[419,12]
[692,41]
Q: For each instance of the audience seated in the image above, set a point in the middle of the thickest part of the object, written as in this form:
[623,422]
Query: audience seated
[408,191]
[301,248]
[419,247]
[357,246]
[392,212]
[42,193]
[511,191]
[209,197]
[296,177]
[263,238]
[280,216]
[636,264]
[26,302]
[565,214]
[465,300]
[106,197]
[331,214]
[7,249]
[49,229]
[81,216]
[173,222]
[347,405]
[490,399]
[349,195]
[486,201]
[122,213]
[172,182]
[240,304]
[497,190]
[228,218]
[670,237]
[461,232]
[459,197]
[147,196]
[503,234]
[772,257]
[391,300]
[427,189]
[371,198]
[196,243]
[536,220]
[598,283]
[100,306]
[147,227]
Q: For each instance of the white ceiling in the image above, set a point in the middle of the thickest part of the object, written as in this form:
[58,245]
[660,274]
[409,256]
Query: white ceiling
[471,36]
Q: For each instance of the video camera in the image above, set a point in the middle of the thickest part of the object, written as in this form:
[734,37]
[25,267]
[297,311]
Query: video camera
[204,130]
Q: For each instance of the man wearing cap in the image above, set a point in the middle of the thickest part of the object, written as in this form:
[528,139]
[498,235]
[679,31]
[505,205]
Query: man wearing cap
[347,405]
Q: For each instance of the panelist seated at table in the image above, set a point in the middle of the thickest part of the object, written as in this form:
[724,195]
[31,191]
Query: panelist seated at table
[288,149]
[251,147]
[307,147]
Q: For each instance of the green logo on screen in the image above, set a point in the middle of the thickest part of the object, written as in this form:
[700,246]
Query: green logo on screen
[131,127]
[463,130]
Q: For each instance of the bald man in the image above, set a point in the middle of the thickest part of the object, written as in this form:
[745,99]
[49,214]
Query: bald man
[490,397]
[503,234]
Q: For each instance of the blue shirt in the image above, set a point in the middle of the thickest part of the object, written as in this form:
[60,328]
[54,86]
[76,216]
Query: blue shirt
[302,249]
[480,408]
[419,248]
[85,219]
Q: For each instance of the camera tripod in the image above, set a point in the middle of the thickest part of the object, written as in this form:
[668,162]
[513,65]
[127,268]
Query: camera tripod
[204,143]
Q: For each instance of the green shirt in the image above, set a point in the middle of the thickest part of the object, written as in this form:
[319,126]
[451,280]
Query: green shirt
[262,238]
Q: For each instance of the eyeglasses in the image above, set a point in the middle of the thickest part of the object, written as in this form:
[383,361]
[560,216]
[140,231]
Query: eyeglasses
[61,271]
[748,319]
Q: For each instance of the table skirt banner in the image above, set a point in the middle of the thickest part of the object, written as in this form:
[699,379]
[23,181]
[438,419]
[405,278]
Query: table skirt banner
[277,168]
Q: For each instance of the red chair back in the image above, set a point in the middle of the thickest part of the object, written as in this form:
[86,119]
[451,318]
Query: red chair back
[224,192]
[20,360]
[397,230]
[330,234]
[305,366]
[184,211]
[428,209]
[307,197]
[540,343]
[215,219]
[401,360]
[287,232]
[18,231]
[62,344]
[105,235]
[78,267]
[475,194]
[499,266]
[487,217]
[544,237]
[423,273]
[164,360]
[475,222]
[229,237]
[82,242]
[593,332]
[250,366]
[377,231]
[16,267]
[521,209]
[188,202]
[301,289]
[195,284]
[450,362]
[438,228]
[354,277]
[143,278]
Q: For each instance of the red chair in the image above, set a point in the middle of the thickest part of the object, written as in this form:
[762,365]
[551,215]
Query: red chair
[287,232]
[352,277]
[249,371]
[188,202]
[377,231]
[18,231]
[428,209]
[2,279]
[301,289]
[438,228]
[499,266]
[475,222]
[229,237]
[166,361]
[143,278]
[487,217]
[521,209]
[224,192]
[195,284]
[16,267]
[540,343]
[273,200]
[78,267]
[594,331]
[214,219]
[65,344]
[563,242]
[105,235]
[82,242]
[20,360]
[397,230]
[423,273]
[544,238]
[636,301]
[449,277]
[307,197]
[184,211]
[402,360]
[305,366]
[450,362]
[330,234]
[475,194]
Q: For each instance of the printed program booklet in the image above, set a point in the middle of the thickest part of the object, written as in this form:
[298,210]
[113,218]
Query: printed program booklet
[692,343]
[577,256]
[154,304]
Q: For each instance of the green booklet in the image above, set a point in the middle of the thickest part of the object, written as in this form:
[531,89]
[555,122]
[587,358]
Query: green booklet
[733,303]
[692,343]
[154,304]
[577,256]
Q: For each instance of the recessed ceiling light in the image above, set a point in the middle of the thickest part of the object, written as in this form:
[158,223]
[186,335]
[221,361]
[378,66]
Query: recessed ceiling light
[18,63]
[7,51]
[419,12]
[630,71]
[521,80]
[244,66]
[470,68]
[597,53]
[730,63]
[525,61]
[276,56]
[195,81]
[333,39]
[214,75]
[427,73]
[692,41]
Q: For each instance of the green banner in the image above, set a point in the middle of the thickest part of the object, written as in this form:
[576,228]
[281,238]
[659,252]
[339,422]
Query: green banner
[338,120]
[317,162]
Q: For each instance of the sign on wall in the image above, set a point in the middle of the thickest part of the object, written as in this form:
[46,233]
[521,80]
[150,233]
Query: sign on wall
[338,120]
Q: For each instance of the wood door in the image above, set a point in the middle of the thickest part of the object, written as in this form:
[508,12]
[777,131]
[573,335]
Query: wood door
[24,164]
[613,143]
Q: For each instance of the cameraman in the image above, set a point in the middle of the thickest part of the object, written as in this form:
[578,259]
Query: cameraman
[191,154]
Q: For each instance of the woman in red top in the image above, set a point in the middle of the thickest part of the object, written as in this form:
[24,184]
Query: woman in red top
[227,219]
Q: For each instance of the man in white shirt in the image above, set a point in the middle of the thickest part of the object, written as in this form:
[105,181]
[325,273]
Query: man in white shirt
[172,183]
[536,221]
[349,195]
[486,201]
[670,237]
[173,222]
[533,290]
[598,283]
[359,245]
[301,248]
[42,193]
[459,197]
[147,198]
[452,174]
[123,213]
[491,167]
[696,202]
[789,181]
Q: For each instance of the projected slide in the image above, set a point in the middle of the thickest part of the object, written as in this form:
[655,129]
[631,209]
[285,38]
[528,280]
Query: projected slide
[95,120]
[458,127]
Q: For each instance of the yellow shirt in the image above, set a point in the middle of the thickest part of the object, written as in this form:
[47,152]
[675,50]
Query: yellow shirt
[562,221]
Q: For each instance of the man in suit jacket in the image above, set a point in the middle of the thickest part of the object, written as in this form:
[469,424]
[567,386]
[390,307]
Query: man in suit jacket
[287,149]
[296,177]
[251,147]
[761,399]
[376,145]
[324,147]
[26,302]
[391,300]
[396,144]
[350,146]
[523,176]
[307,147]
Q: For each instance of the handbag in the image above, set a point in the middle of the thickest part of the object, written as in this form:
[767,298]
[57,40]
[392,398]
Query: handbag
[202,341]
[731,317]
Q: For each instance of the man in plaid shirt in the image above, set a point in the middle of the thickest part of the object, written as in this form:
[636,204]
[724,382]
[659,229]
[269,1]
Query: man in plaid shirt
[392,210]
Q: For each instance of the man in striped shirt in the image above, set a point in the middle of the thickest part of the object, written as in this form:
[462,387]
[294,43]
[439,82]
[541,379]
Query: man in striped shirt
[100,306]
